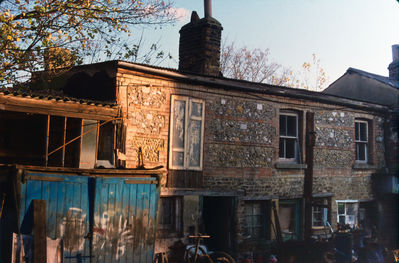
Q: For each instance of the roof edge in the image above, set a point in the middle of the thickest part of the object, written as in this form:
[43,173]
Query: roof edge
[258,87]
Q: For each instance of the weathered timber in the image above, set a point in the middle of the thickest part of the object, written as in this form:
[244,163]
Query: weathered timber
[39,231]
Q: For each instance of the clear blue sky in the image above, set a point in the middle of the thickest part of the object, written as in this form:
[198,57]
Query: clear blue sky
[342,33]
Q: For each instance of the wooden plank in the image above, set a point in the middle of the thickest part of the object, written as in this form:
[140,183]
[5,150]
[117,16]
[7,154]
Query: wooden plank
[95,172]
[141,181]
[57,108]
[44,178]
[39,231]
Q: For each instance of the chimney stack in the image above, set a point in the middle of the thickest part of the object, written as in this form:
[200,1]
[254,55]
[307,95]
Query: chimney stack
[394,66]
[199,47]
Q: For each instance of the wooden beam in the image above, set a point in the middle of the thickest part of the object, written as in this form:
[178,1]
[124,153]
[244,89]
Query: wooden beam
[308,181]
[39,231]
[56,108]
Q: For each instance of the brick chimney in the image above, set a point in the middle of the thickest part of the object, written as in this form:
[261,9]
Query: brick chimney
[199,48]
[394,66]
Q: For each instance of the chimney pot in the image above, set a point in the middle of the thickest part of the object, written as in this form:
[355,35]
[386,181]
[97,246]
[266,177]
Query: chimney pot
[395,53]
[394,66]
[208,8]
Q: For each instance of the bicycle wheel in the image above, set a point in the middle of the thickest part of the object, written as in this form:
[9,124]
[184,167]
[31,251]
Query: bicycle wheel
[221,257]
[189,254]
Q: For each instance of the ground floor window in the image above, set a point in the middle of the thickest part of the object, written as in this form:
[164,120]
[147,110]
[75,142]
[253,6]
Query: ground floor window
[290,218]
[320,210]
[347,212]
[170,214]
[257,220]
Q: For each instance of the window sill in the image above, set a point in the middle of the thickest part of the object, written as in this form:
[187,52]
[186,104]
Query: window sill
[319,227]
[288,165]
[364,166]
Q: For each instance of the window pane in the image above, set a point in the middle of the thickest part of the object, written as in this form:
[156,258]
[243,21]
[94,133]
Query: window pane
[341,220]
[357,124]
[341,208]
[194,132]
[290,148]
[179,123]
[178,159]
[361,151]
[350,209]
[281,149]
[283,126]
[363,131]
[291,126]
[196,109]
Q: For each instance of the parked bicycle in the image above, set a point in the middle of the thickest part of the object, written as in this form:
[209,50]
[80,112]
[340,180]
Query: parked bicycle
[197,253]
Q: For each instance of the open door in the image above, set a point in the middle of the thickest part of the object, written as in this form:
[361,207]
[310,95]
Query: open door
[218,217]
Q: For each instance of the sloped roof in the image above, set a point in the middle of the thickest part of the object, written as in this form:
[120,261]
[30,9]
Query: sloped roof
[382,79]
[247,86]
[47,95]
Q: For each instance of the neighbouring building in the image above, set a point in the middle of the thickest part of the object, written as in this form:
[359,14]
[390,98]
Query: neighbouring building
[232,156]
[369,87]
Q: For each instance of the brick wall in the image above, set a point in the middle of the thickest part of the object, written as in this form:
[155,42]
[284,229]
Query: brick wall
[241,141]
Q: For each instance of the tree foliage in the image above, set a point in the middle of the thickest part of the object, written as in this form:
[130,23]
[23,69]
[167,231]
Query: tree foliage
[312,75]
[255,65]
[62,32]
[252,65]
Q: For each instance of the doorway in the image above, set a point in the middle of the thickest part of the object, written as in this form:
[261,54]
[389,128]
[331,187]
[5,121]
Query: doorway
[218,214]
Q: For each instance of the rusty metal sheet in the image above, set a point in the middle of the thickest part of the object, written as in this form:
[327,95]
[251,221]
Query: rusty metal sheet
[124,219]
[67,207]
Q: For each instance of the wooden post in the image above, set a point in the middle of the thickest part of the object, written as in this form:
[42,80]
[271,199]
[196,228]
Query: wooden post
[39,231]
[308,181]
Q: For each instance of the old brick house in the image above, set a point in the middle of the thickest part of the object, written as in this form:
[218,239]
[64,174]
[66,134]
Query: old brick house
[231,149]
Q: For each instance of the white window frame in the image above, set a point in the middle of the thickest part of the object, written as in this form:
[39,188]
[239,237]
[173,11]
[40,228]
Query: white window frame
[290,137]
[358,141]
[188,117]
[356,211]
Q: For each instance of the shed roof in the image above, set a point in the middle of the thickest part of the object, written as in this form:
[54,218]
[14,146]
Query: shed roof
[43,102]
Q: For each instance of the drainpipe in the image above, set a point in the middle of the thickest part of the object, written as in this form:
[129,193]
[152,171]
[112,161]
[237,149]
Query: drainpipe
[308,180]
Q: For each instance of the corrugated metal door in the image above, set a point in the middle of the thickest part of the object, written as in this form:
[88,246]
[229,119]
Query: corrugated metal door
[67,207]
[124,219]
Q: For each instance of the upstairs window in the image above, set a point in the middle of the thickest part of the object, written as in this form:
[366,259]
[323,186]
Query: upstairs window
[186,133]
[361,140]
[288,147]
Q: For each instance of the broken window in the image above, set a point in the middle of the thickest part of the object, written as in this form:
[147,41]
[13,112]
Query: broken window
[319,212]
[288,144]
[347,213]
[170,214]
[187,128]
[361,140]
[257,220]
